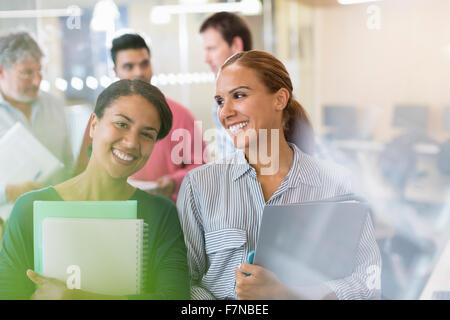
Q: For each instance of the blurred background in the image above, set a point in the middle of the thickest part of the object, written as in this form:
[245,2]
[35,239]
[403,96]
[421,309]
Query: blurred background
[373,76]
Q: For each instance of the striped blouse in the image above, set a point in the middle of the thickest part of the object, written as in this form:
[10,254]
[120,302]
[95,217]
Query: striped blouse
[220,207]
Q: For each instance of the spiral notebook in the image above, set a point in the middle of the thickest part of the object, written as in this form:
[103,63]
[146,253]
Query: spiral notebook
[76,209]
[104,256]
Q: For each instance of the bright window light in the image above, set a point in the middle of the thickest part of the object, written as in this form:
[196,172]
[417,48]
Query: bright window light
[105,12]
[61,84]
[91,82]
[154,81]
[105,81]
[45,86]
[160,15]
[251,7]
[163,79]
[77,83]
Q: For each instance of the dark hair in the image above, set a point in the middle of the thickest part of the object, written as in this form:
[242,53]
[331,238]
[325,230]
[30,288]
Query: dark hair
[129,87]
[127,41]
[230,26]
[297,127]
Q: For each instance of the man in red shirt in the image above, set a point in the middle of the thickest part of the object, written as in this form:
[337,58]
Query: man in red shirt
[170,160]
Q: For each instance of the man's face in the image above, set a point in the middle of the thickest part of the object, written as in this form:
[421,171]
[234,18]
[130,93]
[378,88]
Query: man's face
[215,48]
[21,82]
[133,64]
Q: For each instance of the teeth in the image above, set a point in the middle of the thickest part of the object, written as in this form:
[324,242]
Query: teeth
[122,155]
[238,126]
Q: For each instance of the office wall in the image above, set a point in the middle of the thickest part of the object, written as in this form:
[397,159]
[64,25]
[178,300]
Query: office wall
[406,61]
[295,47]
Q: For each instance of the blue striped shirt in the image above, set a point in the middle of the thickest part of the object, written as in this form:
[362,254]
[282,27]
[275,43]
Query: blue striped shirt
[220,206]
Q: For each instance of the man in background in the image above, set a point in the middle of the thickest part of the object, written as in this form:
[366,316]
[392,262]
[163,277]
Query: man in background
[131,57]
[22,101]
[223,34]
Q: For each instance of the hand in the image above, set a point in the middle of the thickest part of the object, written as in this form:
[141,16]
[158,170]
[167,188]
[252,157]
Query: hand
[261,284]
[13,191]
[166,187]
[54,289]
[49,288]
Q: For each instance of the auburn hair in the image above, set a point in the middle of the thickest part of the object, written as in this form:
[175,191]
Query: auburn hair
[297,126]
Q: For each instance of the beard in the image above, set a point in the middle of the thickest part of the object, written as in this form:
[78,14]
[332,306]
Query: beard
[28,95]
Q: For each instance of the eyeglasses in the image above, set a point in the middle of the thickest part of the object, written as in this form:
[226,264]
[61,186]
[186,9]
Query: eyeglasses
[29,74]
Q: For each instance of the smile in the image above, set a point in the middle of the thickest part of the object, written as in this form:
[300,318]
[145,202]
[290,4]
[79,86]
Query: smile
[123,156]
[237,127]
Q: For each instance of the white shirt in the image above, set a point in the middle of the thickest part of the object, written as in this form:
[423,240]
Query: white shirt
[47,123]
[220,206]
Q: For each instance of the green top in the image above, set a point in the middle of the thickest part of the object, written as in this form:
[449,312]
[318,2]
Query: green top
[167,269]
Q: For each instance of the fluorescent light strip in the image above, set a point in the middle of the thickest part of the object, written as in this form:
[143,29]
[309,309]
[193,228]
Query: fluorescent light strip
[355,1]
[44,13]
[161,14]
[163,79]
[200,8]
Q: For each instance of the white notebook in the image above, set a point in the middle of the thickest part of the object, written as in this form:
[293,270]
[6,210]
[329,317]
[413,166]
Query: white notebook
[105,256]
[25,159]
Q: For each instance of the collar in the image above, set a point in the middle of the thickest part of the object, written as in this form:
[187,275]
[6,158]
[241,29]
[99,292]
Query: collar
[304,170]
[240,165]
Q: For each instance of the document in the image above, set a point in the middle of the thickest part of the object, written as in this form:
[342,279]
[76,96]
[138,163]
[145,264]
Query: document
[24,158]
[308,244]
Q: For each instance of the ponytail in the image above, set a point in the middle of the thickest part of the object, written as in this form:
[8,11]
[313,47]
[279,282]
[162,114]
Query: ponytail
[297,127]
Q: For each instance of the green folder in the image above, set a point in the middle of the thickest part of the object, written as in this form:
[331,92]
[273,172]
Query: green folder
[76,209]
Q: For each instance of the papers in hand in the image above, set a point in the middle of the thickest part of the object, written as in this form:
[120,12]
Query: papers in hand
[310,243]
[143,185]
[24,158]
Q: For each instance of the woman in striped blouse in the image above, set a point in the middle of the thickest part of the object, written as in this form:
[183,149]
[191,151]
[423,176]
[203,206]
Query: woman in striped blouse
[221,203]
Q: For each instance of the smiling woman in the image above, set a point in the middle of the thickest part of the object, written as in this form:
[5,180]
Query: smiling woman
[130,116]
[269,80]
[221,203]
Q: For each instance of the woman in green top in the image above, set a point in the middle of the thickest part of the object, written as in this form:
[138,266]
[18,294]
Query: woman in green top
[129,117]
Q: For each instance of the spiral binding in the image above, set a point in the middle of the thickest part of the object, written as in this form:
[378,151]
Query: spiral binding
[142,246]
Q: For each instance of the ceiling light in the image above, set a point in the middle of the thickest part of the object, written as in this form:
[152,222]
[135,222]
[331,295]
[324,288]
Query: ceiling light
[355,1]
[162,14]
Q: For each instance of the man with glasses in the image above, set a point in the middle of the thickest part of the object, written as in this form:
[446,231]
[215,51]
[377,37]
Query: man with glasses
[22,101]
